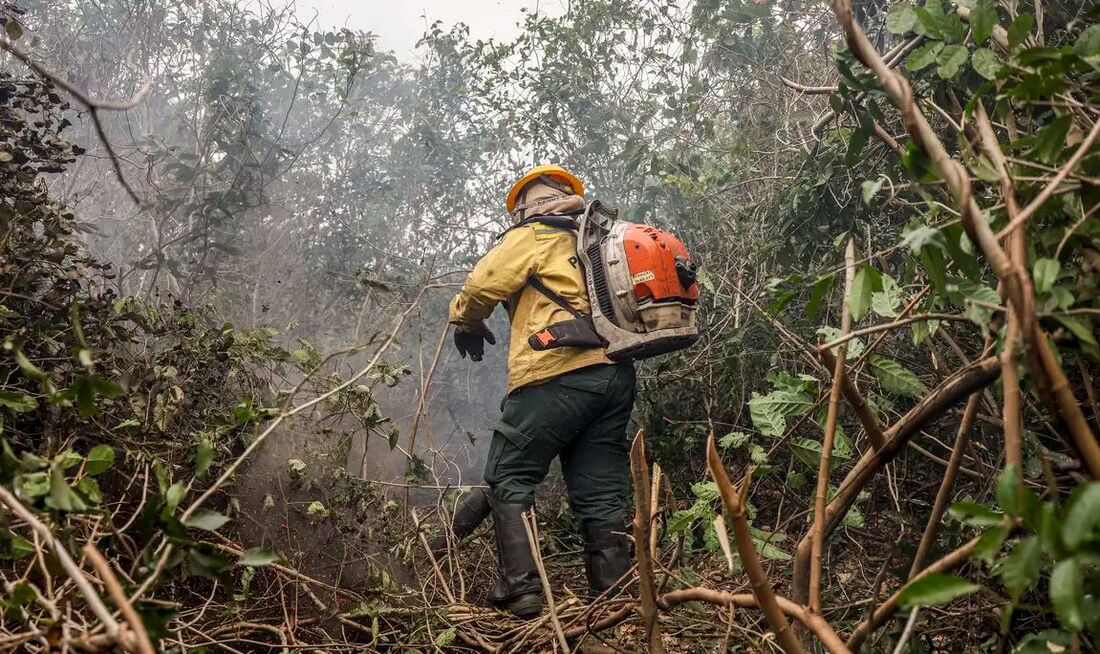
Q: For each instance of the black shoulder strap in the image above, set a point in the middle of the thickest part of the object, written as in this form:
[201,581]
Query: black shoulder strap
[537,284]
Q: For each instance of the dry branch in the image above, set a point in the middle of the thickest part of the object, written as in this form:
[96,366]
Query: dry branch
[94,106]
[531,527]
[141,643]
[639,470]
[733,500]
[817,532]
[95,602]
[854,398]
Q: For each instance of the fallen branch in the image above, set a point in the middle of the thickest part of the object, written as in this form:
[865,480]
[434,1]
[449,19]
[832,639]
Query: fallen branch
[854,398]
[817,625]
[531,527]
[943,495]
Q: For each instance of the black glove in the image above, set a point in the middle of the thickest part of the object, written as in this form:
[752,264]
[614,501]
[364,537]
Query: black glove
[473,342]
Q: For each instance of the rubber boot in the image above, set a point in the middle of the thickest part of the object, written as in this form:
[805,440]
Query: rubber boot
[606,558]
[471,511]
[518,589]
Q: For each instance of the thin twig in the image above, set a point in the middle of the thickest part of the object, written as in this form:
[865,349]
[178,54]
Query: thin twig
[94,106]
[118,596]
[531,527]
[95,603]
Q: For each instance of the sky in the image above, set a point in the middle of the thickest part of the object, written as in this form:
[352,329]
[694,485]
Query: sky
[399,23]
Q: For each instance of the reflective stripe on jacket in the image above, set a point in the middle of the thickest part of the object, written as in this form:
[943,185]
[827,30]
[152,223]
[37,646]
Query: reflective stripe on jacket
[501,276]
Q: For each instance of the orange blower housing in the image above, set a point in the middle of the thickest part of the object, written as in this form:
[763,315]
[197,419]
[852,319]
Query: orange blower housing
[659,265]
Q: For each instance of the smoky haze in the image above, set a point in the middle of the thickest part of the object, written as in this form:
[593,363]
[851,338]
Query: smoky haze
[304,182]
[298,180]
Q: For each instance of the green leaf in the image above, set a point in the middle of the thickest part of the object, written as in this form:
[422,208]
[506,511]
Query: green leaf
[100,458]
[820,290]
[1089,42]
[733,439]
[34,484]
[885,303]
[830,334]
[1019,30]
[1067,593]
[867,281]
[61,495]
[983,18]
[986,63]
[924,56]
[706,490]
[978,300]
[172,498]
[951,60]
[105,387]
[935,589]
[206,519]
[895,378]
[856,143]
[769,411]
[1045,273]
[940,25]
[21,548]
[88,488]
[990,542]
[22,594]
[1082,331]
[68,459]
[1008,487]
[204,456]
[394,434]
[901,19]
[1020,569]
[18,402]
[975,514]
[259,556]
[1082,516]
[206,562]
[923,236]
[1051,139]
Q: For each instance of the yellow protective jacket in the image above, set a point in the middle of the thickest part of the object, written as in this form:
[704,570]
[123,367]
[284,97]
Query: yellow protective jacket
[501,276]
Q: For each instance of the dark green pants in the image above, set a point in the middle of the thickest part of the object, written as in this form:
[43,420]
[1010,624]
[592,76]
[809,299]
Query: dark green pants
[580,416]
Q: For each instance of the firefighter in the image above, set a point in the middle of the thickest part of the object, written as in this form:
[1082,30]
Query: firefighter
[568,402]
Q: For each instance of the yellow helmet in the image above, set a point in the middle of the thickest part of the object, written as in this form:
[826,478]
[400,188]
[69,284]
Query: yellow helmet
[553,170]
